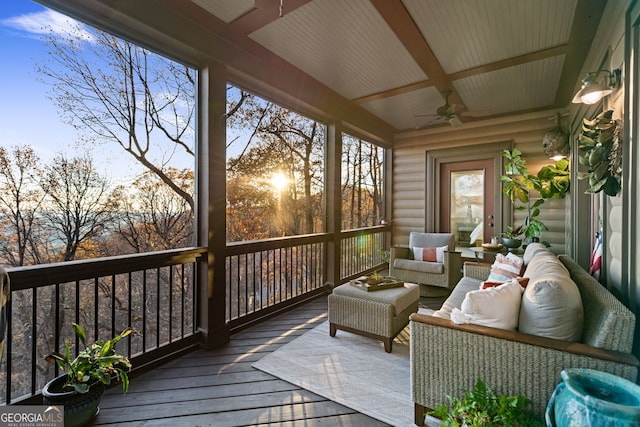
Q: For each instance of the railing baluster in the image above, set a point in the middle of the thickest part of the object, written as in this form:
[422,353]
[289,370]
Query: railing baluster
[144,310]
[170,304]
[158,273]
[96,304]
[34,337]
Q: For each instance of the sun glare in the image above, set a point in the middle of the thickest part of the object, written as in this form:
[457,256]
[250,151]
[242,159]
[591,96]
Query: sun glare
[279,181]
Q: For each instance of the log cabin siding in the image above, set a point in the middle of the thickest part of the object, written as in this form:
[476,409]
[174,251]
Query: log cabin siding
[410,183]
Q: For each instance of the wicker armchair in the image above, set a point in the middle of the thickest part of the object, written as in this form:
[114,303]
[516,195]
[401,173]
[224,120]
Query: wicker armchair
[435,279]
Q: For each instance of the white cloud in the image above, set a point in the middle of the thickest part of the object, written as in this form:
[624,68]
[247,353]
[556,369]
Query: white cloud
[46,23]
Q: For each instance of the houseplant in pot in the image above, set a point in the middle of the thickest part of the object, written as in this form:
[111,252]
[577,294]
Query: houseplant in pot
[512,238]
[85,377]
[551,182]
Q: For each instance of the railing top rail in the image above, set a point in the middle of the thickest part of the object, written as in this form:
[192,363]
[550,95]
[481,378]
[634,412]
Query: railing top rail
[238,248]
[33,276]
[365,230]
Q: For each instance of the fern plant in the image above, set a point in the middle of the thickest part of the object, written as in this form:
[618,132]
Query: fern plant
[482,407]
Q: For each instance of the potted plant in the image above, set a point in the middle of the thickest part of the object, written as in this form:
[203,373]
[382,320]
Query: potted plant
[483,407]
[512,238]
[85,377]
[599,142]
[551,182]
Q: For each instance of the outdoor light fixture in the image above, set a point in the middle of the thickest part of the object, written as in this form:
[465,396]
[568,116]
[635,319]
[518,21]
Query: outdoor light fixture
[593,90]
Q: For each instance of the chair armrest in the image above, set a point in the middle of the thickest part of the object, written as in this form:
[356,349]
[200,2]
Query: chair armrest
[477,270]
[399,252]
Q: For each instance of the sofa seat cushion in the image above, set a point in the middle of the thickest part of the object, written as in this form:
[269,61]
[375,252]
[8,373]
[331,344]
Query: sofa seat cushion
[466,284]
[399,298]
[551,304]
[421,266]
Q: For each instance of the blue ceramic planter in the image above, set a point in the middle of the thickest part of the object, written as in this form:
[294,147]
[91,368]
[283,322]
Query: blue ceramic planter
[587,397]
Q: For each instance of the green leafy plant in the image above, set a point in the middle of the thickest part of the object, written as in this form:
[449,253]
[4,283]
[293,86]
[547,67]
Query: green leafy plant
[483,407]
[97,362]
[551,182]
[599,142]
[513,232]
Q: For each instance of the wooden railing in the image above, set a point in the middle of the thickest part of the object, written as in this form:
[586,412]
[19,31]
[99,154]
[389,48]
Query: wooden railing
[155,293]
[362,251]
[265,275]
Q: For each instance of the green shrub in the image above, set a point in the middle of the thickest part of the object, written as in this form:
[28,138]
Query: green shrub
[482,407]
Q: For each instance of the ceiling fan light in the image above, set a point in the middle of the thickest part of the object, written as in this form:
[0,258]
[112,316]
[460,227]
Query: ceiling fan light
[455,121]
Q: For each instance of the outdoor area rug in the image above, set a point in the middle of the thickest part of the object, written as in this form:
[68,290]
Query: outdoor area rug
[351,370]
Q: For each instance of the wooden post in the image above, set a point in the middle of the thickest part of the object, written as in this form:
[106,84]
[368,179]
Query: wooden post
[211,219]
[333,201]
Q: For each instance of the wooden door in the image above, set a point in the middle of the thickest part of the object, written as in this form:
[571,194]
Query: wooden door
[467,201]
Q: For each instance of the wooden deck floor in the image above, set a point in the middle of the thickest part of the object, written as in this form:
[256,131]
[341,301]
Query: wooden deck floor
[221,388]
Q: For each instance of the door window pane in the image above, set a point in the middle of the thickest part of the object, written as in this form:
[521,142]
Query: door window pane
[467,206]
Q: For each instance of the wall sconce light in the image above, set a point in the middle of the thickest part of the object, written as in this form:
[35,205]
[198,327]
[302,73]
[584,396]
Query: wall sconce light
[593,90]
[556,142]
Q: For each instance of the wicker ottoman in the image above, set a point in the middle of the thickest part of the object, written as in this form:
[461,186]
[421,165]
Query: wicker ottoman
[379,314]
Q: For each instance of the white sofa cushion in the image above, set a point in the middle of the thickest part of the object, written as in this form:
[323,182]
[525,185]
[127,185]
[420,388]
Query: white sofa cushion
[497,307]
[551,304]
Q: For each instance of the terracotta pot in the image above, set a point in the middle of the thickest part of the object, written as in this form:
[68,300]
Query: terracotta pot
[79,409]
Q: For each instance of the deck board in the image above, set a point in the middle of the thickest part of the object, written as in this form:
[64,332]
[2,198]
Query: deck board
[220,387]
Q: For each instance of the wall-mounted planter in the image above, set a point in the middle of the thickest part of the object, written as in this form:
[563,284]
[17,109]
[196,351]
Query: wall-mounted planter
[601,152]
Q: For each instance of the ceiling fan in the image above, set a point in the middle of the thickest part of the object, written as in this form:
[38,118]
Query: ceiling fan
[451,113]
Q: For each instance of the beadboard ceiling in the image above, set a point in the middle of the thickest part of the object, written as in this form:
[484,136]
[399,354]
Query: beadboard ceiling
[395,58]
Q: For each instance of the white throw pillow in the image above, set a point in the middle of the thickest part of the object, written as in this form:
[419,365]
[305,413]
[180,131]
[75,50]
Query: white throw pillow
[430,254]
[498,307]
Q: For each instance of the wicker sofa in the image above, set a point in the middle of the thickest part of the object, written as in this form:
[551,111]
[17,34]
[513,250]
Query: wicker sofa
[447,358]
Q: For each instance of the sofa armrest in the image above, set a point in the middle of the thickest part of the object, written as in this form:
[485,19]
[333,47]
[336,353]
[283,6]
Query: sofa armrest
[477,270]
[447,358]
[550,343]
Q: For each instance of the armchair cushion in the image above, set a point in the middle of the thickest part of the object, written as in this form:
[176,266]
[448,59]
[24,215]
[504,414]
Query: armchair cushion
[421,266]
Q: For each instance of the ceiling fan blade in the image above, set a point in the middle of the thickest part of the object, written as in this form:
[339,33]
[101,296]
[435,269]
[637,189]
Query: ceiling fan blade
[475,113]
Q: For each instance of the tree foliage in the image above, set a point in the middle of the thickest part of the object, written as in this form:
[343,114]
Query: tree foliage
[113,91]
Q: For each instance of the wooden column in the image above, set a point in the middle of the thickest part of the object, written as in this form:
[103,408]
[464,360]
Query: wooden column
[211,218]
[333,168]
